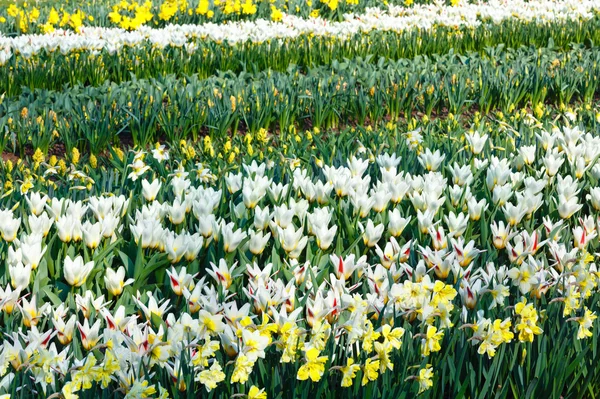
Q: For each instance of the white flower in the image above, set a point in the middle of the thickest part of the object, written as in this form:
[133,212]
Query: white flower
[76,272]
[19,275]
[258,241]
[115,281]
[476,141]
[232,238]
[523,277]
[36,203]
[292,240]
[160,153]
[138,168]
[371,234]
[89,335]
[397,223]
[9,225]
[325,236]
[92,234]
[150,190]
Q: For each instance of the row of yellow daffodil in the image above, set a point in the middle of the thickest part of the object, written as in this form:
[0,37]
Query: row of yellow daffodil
[34,16]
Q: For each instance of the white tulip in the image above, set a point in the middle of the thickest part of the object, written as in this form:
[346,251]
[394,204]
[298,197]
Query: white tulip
[76,272]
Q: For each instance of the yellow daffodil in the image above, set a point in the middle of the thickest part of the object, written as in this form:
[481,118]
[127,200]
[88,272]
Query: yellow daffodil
[314,366]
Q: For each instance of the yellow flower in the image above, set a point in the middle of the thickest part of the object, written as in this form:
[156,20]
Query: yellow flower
[370,369]
[27,185]
[262,136]
[586,322]
[369,337]
[425,379]
[119,152]
[190,153]
[276,15]
[205,352]
[46,28]
[349,372]
[34,15]
[85,376]
[431,342]
[314,366]
[383,355]
[248,8]
[242,369]
[527,326]
[114,16]
[75,156]
[167,10]
[392,336]
[255,393]
[65,19]
[208,147]
[501,331]
[202,8]
[12,10]
[291,345]
[210,378]
[227,146]
[53,17]
[62,166]
[443,293]
[38,156]
[142,389]
[69,390]
[76,20]
[571,301]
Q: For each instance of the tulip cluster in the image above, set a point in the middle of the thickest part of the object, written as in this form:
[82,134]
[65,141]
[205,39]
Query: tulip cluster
[348,273]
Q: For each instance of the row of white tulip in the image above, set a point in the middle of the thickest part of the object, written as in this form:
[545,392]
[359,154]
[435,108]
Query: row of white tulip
[288,212]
